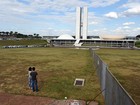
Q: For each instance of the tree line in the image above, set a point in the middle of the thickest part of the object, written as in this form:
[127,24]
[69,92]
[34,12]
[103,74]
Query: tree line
[18,35]
[138,37]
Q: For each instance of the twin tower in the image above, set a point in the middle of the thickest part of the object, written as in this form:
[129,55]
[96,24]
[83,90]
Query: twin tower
[81,22]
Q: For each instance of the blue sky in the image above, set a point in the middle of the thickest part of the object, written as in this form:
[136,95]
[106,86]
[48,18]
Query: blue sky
[56,17]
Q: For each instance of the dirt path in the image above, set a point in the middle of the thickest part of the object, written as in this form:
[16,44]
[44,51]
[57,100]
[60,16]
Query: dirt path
[10,99]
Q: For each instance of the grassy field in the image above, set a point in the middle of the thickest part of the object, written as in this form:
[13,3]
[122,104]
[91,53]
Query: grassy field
[21,42]
[138,44]
[125,65]
[57,69]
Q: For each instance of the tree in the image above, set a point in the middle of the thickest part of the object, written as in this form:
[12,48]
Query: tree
[30,36]
[7,33]
[11,33]
[15,34]
[34,34]
[138,37]
[3,33]
[19,35]
[37,35]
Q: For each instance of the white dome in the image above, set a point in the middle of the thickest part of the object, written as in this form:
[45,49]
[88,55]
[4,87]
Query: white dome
[65,36]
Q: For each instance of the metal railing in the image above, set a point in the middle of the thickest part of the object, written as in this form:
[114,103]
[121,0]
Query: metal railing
[112,90]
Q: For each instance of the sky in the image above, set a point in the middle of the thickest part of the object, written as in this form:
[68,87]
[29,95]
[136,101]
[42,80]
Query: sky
[57,17]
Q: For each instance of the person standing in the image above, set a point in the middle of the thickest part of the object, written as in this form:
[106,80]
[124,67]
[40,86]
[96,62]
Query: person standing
[29,77]
[34,80]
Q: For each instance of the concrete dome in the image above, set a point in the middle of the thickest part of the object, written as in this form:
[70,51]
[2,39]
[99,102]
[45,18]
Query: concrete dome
[65,36]
[114,37]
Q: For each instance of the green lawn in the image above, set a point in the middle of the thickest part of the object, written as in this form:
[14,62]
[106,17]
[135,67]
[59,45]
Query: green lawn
[22,42]
[125,65]
[57,69]
[138,43]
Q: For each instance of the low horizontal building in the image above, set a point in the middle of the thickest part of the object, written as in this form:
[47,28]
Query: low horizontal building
[93,43]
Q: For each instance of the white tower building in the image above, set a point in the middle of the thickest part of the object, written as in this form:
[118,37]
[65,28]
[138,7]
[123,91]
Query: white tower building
[85,22]
[78,22]
[81,21]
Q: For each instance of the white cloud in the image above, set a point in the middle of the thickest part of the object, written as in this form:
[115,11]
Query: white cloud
[14,7]
[49,9]
[66,5]
[112,15]
[66,31]
[102,3]
[93,19]
[118,32]
[93,23]
[133,8]
[60,15]
[127,31]
[53,5]
[131,4]
[126,27]
[51,31]
[132,11]
[137,29]
[128,23]
[95,30]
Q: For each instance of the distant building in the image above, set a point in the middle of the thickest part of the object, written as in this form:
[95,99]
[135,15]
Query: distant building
[138,37]
[7,37]
[65,36]
[81,22]
[81,37]
[130,38]
[50,37]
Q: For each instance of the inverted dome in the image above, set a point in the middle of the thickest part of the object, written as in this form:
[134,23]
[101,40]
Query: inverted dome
[65,36]
[113,36]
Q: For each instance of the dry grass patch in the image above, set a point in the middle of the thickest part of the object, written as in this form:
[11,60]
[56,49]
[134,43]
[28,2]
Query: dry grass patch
[125,65]
[57,69]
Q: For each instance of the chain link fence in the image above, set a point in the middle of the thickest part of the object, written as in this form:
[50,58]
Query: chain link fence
[112,90]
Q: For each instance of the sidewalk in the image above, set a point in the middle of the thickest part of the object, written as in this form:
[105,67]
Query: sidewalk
[10,99]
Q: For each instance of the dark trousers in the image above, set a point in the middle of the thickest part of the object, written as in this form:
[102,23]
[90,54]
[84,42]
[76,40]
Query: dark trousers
[34,85]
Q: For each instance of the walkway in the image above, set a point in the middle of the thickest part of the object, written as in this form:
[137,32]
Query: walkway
[10,99]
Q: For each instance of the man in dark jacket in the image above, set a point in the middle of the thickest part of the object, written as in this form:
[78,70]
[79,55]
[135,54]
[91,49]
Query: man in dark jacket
[34,80]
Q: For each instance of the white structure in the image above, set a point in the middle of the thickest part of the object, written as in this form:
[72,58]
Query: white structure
[85,23]
[65,36]
[81,21]
[78,22]
[77,43]
[113,37]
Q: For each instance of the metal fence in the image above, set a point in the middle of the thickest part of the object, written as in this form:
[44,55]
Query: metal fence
[113,92]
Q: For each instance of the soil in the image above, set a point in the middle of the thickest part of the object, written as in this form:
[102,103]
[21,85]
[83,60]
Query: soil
[11,99]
